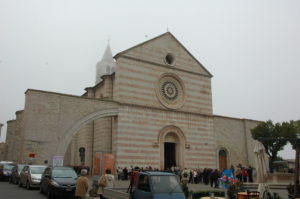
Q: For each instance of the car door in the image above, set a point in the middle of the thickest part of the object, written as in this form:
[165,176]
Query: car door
[143,188]
[23,175]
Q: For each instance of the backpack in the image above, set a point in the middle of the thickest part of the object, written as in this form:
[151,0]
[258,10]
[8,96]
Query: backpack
[185,175]
[102,181]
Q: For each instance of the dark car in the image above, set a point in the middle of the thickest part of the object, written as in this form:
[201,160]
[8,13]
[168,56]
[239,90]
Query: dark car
[5,171]
[15,173]
[58,181]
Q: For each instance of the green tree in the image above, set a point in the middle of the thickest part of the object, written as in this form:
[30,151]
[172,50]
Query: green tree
[296,126]
[270,130]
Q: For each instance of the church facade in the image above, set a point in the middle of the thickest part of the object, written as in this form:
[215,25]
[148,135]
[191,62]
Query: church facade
[151,106]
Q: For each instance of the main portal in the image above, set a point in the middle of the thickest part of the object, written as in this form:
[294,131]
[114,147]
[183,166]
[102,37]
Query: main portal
[170,155]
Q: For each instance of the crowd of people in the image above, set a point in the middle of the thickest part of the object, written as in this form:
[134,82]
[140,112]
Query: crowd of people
[206,176]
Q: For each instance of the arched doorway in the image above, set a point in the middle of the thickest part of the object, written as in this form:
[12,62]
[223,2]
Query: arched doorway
[171,142]
[170,153]
[222,159]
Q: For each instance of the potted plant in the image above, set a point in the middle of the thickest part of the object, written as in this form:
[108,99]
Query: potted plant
[234,188]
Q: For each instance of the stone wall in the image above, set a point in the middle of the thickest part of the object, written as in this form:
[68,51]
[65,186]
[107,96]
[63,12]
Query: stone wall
[140,69]
[83,138]
[10,139]
[234,136]
[103,134]
[104,90]
[50,117]
[138,137]
[3,151]
[14,137]
[96,136]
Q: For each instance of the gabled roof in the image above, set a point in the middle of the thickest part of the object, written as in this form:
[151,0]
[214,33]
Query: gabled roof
[167,33]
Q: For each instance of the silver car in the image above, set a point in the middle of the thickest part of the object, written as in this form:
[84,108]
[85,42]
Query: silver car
[31,175]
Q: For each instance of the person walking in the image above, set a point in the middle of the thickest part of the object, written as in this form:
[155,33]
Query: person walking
[250,173]
[82,185]
[238,174]
[105,181]
[185,176]
[244,174]
[214,176]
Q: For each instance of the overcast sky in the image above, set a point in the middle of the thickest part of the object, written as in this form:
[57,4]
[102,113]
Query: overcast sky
[251,47]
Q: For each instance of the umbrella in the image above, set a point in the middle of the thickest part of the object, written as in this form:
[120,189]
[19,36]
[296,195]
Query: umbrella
[262,166]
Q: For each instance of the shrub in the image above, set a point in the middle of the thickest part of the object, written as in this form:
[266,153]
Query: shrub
[234,189]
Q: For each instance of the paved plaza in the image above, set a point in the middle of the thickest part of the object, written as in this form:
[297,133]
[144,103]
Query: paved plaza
[8,190]
[201,187]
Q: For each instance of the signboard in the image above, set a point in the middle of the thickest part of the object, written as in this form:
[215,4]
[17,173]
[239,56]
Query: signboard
[109,162]
[58,160]
[31,155]
[103,161]
[96,163]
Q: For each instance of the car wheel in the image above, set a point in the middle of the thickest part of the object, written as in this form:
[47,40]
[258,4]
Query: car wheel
[28,185]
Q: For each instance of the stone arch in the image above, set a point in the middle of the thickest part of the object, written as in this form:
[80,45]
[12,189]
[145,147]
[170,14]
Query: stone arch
[172,134]
[67,136]
[220,154]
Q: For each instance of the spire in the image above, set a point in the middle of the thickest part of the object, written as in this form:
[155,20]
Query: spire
[106,66]
[107,54]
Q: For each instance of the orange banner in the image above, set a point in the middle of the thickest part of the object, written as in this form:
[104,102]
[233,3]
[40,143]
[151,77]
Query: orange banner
[109,162]
[96,165]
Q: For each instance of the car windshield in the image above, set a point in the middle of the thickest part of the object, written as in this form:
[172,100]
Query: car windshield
[8,167]
[64,173]
[37,170]
[20,167]
[165,184]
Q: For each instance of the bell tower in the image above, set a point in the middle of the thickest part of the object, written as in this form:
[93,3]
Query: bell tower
[106,66]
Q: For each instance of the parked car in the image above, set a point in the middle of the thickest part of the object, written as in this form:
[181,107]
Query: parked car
[5,162]
[30,176]
[15,173]
[58,181]
[150,184]
[5,171]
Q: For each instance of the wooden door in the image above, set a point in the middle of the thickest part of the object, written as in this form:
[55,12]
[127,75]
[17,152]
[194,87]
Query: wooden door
[222,160]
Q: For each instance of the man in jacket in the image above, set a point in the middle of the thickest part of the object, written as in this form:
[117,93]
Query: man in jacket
[82,185]
[105,181]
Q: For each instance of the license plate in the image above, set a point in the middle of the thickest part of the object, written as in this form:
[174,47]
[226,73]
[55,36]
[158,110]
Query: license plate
[69,189]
